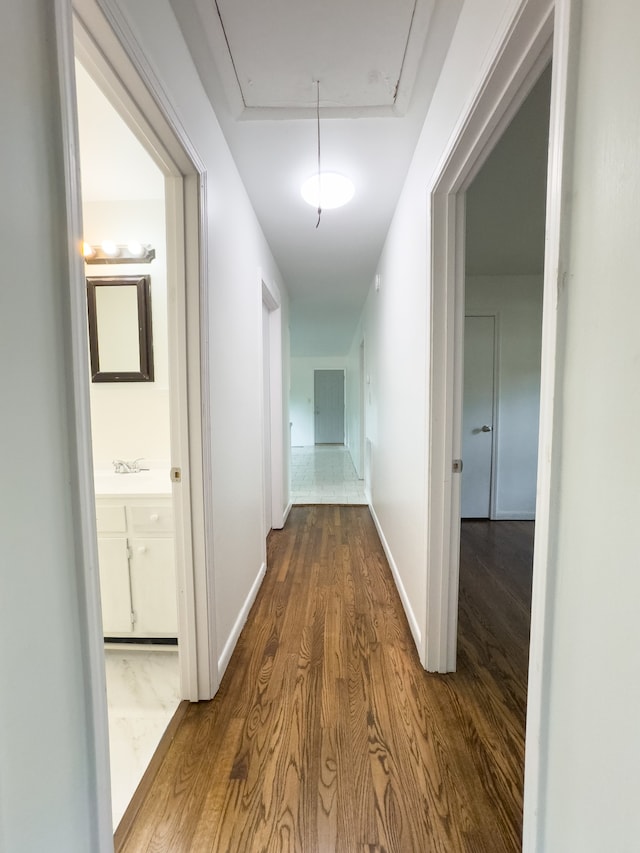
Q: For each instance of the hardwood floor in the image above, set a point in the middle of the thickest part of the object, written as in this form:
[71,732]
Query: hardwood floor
[327,735]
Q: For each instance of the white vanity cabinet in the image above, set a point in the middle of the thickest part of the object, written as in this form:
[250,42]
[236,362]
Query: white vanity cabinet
[137,566]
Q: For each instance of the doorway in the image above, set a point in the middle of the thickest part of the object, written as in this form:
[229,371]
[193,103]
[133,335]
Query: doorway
[328,389]
[478,407]
[266,403]
[185,527]
[123,201]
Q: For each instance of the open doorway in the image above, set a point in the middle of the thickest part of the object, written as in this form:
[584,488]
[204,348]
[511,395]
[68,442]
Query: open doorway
[504,265]
[152,524]
[512,75]
[503,300]
[125,231]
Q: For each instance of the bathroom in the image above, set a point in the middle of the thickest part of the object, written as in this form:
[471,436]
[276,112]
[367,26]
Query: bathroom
[123,202]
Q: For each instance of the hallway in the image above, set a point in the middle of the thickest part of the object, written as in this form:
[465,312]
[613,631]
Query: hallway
[327,735]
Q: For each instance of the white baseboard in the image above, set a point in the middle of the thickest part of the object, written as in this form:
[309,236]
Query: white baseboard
[413,623]
[514,515]
[286,513]
[230,645]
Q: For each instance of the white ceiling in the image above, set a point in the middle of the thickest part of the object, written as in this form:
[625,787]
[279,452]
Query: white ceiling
[377,62]
[276,50]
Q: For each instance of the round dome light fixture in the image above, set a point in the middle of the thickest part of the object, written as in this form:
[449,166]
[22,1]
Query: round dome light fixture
[327,190]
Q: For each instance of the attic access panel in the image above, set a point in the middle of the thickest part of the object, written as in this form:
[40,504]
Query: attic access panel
[357,49]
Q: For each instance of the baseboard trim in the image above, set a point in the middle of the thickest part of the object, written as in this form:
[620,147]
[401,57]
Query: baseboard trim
[285,515]
[230,645]
[125,826]
[514,516]
[404,598]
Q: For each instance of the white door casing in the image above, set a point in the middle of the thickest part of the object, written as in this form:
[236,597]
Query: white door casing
[521,53]
[266,420]
[478,409]
[536,32]
[110,51]
[275,438]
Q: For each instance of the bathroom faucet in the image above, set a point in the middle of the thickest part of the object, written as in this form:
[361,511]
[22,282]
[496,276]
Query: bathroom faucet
[120,466]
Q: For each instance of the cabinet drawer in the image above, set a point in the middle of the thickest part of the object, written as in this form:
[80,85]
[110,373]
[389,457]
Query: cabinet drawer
[147,519]
[111,519]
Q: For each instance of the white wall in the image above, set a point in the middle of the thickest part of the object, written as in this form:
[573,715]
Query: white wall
[590,748]
[48,789]
[517,303]
[395,321]
[131,419]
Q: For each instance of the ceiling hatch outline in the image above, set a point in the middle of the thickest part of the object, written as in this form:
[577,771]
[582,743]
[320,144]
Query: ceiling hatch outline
[242,56]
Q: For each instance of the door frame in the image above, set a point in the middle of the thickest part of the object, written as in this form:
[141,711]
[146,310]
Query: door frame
[520,55]
[362,402]
[108,45]
[537,32]
[272,300]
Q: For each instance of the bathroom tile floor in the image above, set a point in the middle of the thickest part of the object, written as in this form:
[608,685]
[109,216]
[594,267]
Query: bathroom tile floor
[143,692]
[324,474]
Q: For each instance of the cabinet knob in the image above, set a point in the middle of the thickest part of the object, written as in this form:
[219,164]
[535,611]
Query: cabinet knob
[154,516]
[142,549]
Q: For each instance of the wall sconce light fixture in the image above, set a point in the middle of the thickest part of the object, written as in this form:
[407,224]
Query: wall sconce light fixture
[109,252]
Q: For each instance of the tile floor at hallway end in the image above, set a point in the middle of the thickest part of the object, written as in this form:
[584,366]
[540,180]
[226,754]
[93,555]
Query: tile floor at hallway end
[325,474]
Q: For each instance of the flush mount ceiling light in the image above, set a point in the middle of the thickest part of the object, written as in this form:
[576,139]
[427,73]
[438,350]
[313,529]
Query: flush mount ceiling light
[325,190]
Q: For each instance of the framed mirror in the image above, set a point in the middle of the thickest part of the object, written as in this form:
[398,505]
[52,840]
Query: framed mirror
[120,333]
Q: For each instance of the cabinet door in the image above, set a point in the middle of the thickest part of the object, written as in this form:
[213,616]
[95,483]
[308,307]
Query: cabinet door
[114,586]
[153,586]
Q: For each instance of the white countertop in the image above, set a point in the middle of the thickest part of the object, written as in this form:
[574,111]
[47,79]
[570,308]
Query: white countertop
[153,482]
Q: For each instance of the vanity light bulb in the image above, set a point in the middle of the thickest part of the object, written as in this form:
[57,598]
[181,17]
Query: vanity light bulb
[136,249]
[109,248]
[87,250]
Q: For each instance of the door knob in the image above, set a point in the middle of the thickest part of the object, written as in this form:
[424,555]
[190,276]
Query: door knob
[486,428]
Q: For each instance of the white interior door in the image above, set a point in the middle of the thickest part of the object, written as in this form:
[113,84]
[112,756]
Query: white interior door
[477,416]
[329,406]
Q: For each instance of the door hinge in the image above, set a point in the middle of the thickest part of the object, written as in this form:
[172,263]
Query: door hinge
[134,618]
[457,466]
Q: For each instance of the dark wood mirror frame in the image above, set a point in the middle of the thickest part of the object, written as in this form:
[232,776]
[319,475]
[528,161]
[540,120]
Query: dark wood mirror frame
[145,335]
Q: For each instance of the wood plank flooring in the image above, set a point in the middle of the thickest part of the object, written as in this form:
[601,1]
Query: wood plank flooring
[327,735]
